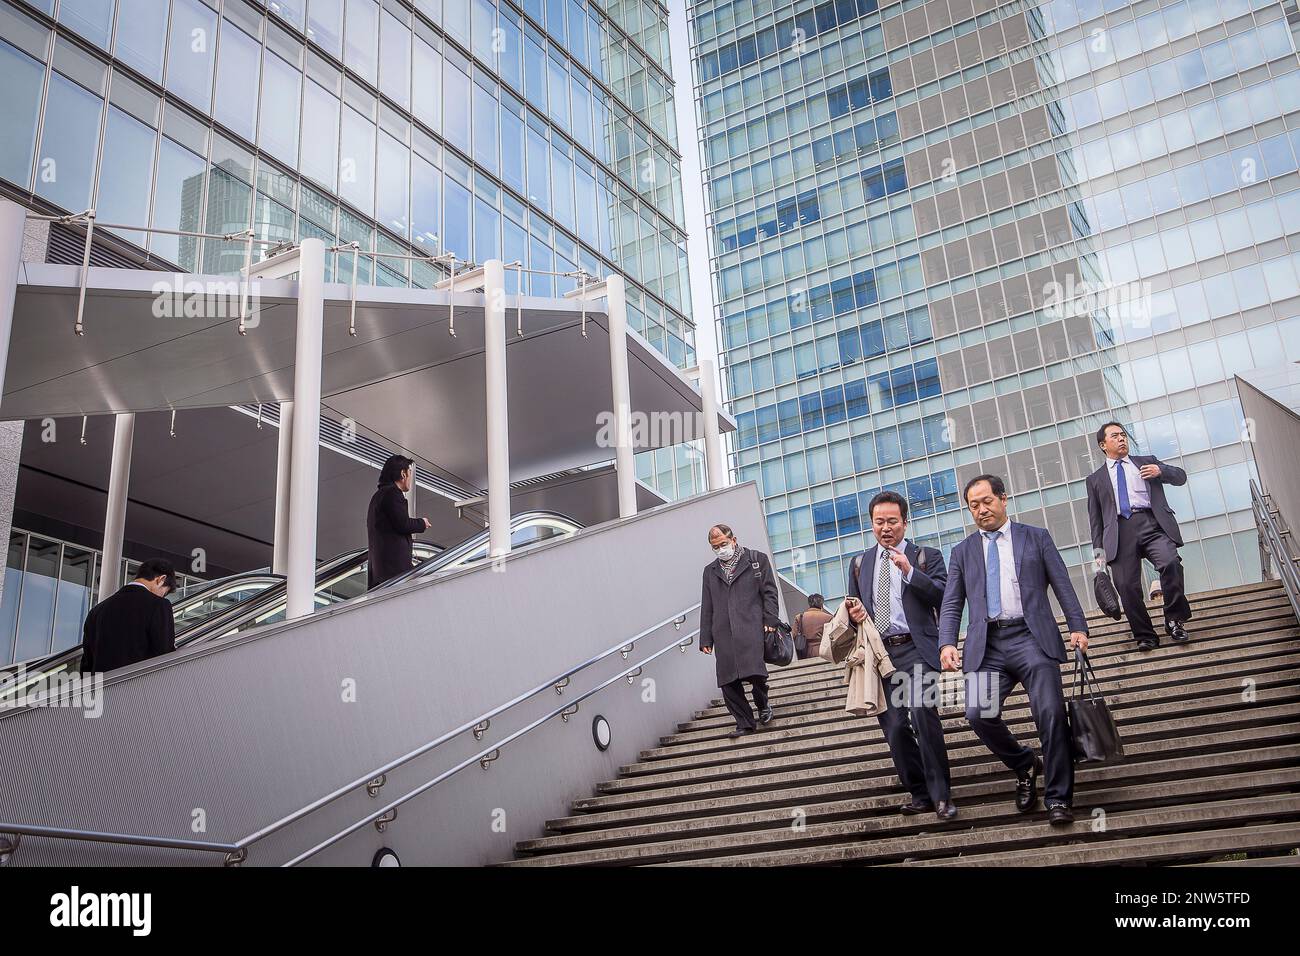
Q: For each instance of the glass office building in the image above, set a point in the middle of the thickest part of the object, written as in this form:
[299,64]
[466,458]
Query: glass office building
[956,236]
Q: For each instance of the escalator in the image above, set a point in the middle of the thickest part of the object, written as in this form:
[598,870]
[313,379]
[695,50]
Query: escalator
[239,602]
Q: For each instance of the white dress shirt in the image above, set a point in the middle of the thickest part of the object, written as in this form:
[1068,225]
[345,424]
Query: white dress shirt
[897,619]
[1011,606]
[1139,495]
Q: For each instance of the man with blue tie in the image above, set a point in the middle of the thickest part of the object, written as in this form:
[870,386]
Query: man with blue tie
[899,586]
[1002,572]
[1130,520]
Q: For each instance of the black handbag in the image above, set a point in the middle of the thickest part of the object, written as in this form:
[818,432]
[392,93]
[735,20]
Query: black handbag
[778,645]
[1093,734]
[1107,597]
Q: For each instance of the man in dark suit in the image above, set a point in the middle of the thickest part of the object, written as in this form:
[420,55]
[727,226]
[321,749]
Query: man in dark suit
[1002,573]
[1131,520]
[389,525]
[134,624]
[899,587]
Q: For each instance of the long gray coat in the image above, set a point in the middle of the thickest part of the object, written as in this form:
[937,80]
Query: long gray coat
[732,616]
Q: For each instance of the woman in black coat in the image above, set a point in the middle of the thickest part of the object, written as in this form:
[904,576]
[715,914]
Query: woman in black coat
[738,604]
[388,524]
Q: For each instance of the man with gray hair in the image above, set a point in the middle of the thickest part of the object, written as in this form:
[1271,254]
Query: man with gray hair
[738,605]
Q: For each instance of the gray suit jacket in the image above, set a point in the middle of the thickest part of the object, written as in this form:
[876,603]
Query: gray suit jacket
[1103,516]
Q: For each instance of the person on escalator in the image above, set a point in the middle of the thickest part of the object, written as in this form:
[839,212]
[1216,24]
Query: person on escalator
[134,624]
[389,526]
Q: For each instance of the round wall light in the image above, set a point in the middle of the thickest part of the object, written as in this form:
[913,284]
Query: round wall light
[601,733]
[385,857]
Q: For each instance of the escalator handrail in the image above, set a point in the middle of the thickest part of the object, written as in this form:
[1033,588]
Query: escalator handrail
[237,852]
[471,544]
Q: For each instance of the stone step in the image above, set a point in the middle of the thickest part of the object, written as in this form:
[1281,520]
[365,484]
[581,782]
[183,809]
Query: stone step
[758,786]
[881,836]
[1256,644]
[973,782]
[829,682]
[1199,830]
[1128,710]
[1174,686]
[1252,716]
[991,788]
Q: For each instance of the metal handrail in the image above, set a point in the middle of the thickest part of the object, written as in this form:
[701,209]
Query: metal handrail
[479,757]
[1267,520]
[236,852]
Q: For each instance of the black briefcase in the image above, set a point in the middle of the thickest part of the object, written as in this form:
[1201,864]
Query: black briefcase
[1093,733]
[778,645]
[1107,597]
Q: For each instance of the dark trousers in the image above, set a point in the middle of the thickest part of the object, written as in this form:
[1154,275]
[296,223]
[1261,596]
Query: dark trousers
[1012,656]
[913,731]
[733,695]
[1141,537]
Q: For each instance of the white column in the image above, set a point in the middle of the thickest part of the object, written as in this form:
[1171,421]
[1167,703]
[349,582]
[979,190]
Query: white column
[283,469]
[714,462]
[119,477]
[616,303]
[13,218]
[305,434]
[498,432]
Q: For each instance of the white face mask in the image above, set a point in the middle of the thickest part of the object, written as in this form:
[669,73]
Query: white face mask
[726,552]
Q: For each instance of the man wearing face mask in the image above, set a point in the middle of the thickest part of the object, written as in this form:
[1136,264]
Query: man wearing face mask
[738,605]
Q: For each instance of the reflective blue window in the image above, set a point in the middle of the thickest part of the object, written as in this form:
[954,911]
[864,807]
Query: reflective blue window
[238,70]
[141,36]
[180,183]
[426,203]
[280,95]
[69,143]
[395,60]
[126,173]
[823,520]
[456,220]
[361,38]
[93,19]
[485,129]
[846,514]
[320,135]
[456,106]
[357,161]
[391,208]
[325,24]
[190,51]
[22,79]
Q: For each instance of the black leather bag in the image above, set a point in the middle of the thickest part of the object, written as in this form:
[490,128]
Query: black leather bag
[1093,733]
[1107,597]
[778,645]
[800,638]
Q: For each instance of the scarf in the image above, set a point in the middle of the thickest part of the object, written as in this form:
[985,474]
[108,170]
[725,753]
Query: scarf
[729,567]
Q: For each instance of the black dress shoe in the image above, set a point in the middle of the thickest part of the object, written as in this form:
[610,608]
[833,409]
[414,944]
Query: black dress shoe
[1059,815]
[946,811]
[765,715]
[741,732]
[916,806]
[1177,633]
[1148,643]
[1027,786]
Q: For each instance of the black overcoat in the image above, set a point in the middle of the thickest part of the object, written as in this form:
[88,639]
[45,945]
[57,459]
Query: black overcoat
[732,616]
[388,530]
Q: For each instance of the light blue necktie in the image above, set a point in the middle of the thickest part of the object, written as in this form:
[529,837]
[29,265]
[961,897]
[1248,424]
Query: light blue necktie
[993,576]
[1122,483]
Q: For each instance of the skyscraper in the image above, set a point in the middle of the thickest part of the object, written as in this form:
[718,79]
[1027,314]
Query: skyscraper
[955,236]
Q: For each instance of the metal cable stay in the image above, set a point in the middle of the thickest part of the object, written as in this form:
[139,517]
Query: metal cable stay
[374,781]
[1273,538]
[447,260]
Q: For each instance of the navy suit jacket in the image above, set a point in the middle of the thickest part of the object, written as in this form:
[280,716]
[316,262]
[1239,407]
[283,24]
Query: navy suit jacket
[922,596]
[1038,565]
[1103,518]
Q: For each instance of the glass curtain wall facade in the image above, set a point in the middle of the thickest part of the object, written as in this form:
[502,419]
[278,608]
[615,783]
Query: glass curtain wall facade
[541,131]
[956,236]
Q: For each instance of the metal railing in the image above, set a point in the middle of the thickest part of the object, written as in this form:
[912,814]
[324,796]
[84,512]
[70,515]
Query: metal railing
[1274,547]
[374,780]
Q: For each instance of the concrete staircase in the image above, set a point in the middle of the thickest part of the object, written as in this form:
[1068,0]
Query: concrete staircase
[1209,772]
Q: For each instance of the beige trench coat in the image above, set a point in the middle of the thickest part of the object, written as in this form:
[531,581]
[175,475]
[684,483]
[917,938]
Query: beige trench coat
[854,645]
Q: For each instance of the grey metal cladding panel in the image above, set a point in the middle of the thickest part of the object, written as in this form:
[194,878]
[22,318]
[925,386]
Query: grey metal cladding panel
[252,728]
